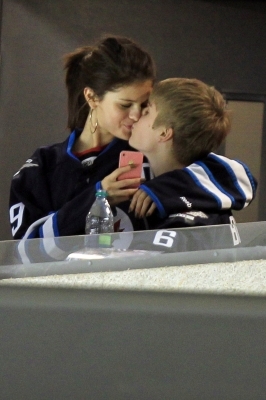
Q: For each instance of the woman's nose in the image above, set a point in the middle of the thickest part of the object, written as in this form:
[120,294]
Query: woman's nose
[135,114]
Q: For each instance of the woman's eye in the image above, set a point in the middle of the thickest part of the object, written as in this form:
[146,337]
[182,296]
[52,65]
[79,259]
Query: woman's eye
[125,105]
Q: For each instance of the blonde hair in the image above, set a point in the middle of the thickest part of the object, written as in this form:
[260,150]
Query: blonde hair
[197,114]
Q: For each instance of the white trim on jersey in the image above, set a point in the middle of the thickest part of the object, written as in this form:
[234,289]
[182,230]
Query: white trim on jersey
[33,226]
[200,176]
[243,184]
[48,242]
[48,227]
[23,243]
[52,250]
[22,251]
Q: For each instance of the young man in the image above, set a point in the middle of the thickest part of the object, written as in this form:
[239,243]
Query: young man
[185,121]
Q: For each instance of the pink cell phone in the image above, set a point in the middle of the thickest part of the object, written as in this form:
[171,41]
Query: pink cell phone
[127,158]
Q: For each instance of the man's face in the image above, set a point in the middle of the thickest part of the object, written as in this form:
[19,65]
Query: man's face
[144,137]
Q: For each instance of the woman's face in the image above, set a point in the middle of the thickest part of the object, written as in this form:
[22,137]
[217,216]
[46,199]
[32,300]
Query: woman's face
[119,109]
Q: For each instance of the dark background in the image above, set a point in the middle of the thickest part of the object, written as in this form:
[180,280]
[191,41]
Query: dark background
[220,42]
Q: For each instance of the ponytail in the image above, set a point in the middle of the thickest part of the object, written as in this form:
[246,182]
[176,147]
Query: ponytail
[78,108]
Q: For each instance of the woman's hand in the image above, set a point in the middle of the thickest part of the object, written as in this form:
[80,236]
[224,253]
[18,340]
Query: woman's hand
[142,204]
[119,191]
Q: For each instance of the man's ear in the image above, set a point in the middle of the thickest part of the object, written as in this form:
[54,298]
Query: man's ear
[166,135]
[91,97]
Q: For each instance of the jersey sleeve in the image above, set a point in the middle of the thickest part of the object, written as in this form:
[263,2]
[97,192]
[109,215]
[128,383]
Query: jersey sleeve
[53,191]
[213,184]
[32,213]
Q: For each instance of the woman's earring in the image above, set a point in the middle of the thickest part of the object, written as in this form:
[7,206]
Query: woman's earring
[93,128]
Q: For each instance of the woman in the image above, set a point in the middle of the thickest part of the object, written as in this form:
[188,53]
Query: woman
[108,86]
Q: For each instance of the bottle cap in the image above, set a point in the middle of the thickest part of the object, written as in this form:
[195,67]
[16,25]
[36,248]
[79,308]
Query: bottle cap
[101,193]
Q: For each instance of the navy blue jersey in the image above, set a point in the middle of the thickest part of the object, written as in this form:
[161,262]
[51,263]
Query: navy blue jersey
[53,191]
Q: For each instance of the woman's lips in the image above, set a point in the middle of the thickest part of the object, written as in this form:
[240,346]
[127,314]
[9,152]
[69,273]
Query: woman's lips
[129,127]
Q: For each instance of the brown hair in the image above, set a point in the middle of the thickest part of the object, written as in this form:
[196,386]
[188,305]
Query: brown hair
[112,62]
[197,114]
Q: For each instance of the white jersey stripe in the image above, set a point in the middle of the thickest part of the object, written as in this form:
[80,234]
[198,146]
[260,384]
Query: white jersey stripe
[202,179]
[50,247]
[47,228]
[49,241]
[23,243]
[236,169]
[33,226]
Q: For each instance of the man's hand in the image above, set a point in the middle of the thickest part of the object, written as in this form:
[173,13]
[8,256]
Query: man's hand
[142,204]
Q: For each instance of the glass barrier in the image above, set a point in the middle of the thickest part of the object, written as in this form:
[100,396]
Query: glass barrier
[132,250]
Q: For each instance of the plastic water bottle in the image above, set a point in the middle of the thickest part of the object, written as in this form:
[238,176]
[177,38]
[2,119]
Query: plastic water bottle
[100,220]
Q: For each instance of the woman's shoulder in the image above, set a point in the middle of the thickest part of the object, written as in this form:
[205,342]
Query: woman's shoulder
[50,154]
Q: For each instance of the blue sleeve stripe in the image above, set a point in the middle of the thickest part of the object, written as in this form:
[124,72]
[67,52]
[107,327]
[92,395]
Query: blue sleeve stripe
[155,199]
[241,176]
[33,229]
[199,183]
[213,180]
[250,177]
[49,228]
[230,172]
[41,232]
[55,225]
[33,234]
